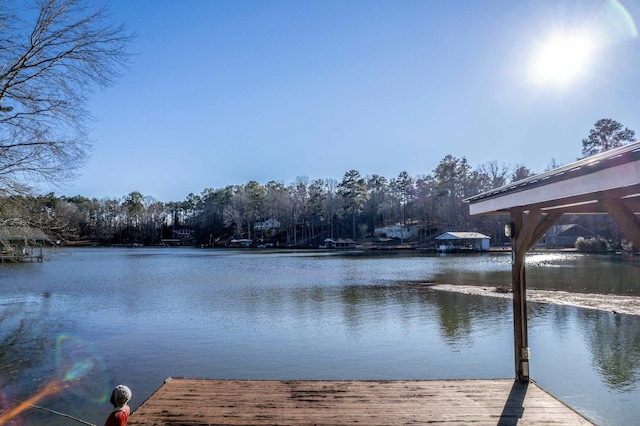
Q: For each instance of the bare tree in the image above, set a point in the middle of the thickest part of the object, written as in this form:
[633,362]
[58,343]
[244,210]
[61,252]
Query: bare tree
[495,172]
[553,164]
[521,172]
[53,53]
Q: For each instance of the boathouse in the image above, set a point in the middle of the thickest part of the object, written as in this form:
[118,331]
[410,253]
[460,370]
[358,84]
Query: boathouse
[241,242]
[463,241]
[606,183]
[340,243]
[20,243]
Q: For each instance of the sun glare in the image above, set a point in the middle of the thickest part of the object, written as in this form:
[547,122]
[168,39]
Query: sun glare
[562,58]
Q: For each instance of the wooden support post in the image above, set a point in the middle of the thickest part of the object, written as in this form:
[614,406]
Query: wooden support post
[527,230]
[521,339]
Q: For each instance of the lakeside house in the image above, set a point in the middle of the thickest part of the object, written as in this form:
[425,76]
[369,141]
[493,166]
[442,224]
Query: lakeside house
[566,235]
[463,241]
[267,225]
[401,232]
[185,235]
[180,237]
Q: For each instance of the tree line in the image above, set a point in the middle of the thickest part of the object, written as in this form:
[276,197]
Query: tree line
[308,211]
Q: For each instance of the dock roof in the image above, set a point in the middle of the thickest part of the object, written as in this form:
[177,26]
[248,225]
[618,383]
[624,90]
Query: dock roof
[574,188]
[608,182]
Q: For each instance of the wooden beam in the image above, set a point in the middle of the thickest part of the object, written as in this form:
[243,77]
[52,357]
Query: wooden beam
[542,227]
[625,218]
[533,228]
[519,287]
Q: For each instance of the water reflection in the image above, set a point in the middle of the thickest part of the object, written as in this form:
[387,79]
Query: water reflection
[25,332]
[26,354]
[461,317]
[589,273]
[454,319]
[614,341]
[603,274]
[241,315]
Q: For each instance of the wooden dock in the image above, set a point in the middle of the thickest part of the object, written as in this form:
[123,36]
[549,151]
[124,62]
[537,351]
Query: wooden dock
[398,402]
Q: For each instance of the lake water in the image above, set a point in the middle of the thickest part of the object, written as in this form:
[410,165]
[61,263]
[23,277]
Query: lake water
[87,319]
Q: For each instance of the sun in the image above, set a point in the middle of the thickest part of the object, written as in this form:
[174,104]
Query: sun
[562,58]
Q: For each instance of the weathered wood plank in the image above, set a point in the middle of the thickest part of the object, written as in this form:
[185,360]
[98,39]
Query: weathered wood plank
[244,402]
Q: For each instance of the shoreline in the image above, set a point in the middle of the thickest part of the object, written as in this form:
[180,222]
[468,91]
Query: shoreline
[615,304]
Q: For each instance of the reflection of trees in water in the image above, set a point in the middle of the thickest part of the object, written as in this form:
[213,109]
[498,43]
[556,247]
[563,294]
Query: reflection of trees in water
[615,345]
[458,313]
[374,297]
[575,272]
[25,341]
[402,302]
[455,318]
[586,273]
[472,277]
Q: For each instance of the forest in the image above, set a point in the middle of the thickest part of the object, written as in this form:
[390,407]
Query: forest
[307,211]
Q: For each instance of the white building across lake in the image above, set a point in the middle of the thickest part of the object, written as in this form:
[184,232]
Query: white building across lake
[460,241]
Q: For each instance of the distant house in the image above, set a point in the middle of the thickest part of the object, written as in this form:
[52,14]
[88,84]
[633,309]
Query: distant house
[19,243]
[183,233]
[267,225]
[566,235]
[340,243]
[460,241]
[241,242]
[180,237]
[403,232]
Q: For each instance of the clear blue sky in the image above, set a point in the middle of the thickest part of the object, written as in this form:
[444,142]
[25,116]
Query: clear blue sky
[224,92]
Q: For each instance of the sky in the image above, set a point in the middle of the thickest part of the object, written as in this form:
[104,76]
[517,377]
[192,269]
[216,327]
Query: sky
[220,93]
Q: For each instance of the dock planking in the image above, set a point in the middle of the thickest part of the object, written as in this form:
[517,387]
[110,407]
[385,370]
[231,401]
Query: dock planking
[191,402]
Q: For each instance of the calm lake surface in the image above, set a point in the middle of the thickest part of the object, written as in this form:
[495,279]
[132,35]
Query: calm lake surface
[88,319]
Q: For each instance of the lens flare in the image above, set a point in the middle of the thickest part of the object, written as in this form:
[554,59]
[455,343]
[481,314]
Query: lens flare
[80,369]
[5,407]
[621,20]
[49,389]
